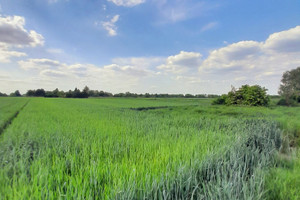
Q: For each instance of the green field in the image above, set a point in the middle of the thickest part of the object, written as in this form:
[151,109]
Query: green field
[123,148]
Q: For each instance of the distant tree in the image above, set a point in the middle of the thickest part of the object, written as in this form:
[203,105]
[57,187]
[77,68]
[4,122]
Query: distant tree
[85,92]
[3,95]
[93,93]
[15,94]
[55,93]
[76,93]
[30,93]
[69,94]
[189,96]
[290,87]
[40,93]
[246,95]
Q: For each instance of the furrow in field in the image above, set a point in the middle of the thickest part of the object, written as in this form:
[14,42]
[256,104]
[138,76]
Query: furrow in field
[10,120]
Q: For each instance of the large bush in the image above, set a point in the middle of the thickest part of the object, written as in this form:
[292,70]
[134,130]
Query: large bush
[246,95]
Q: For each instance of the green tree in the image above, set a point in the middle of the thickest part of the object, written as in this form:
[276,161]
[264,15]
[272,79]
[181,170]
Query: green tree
[290,87]
[85,92]
[15,94]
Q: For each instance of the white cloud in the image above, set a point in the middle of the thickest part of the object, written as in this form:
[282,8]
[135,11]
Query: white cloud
[209,26]
[182,62]
[14,35]
[244,62]
[127,3]
[53,73]
[140,62]
[39,64]
[279,52]
[252,62]
[116,77]
[6,54]
[12,32]
[110,25]
[284,41]
[236,55]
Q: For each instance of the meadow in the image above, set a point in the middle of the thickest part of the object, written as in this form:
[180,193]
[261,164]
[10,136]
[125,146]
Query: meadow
[138,148]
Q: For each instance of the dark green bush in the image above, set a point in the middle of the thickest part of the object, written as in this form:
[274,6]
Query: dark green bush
[246,95]
[220,101]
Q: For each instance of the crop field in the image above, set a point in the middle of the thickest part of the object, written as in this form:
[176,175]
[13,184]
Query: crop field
[137,148]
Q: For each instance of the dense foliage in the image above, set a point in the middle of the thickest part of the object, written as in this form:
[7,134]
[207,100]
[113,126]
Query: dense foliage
[290,87]
[246,95]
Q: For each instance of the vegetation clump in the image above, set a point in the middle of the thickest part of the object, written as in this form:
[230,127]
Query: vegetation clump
[246,95]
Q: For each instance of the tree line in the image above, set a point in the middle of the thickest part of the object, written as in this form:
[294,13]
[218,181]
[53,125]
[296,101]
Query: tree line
[255,95]
[86,92]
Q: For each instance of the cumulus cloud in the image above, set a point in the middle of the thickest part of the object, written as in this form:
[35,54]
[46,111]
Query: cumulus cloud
[12,32]
[236,55]
[182,62]
[110,26]
[278,52]
[253,62]
[244,62]
[127,3]
[14,35]
[284,41]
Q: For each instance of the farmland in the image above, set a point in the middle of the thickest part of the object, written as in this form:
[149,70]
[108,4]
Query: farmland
[137,148]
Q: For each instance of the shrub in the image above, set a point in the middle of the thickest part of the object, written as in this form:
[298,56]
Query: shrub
[246,95]
[220,101]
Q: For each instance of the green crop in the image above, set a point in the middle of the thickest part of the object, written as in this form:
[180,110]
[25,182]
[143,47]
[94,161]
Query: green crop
[136,149]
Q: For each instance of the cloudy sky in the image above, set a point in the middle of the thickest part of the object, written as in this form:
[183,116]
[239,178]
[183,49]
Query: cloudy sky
[155,46]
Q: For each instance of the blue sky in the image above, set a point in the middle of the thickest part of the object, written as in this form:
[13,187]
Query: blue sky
[156,46]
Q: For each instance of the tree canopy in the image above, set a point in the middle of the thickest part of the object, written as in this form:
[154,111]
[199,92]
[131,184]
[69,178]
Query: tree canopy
[290,87]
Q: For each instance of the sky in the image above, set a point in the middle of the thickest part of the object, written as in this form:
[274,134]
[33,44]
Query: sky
[147,46]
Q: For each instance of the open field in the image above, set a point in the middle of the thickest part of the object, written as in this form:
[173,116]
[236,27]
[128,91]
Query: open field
[146,149]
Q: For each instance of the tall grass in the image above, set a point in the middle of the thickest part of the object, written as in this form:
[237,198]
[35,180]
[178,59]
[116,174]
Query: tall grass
[235,173]
[8,108]
[102,149]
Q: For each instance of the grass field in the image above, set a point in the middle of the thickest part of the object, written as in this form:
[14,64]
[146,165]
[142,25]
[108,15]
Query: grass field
[146,149]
